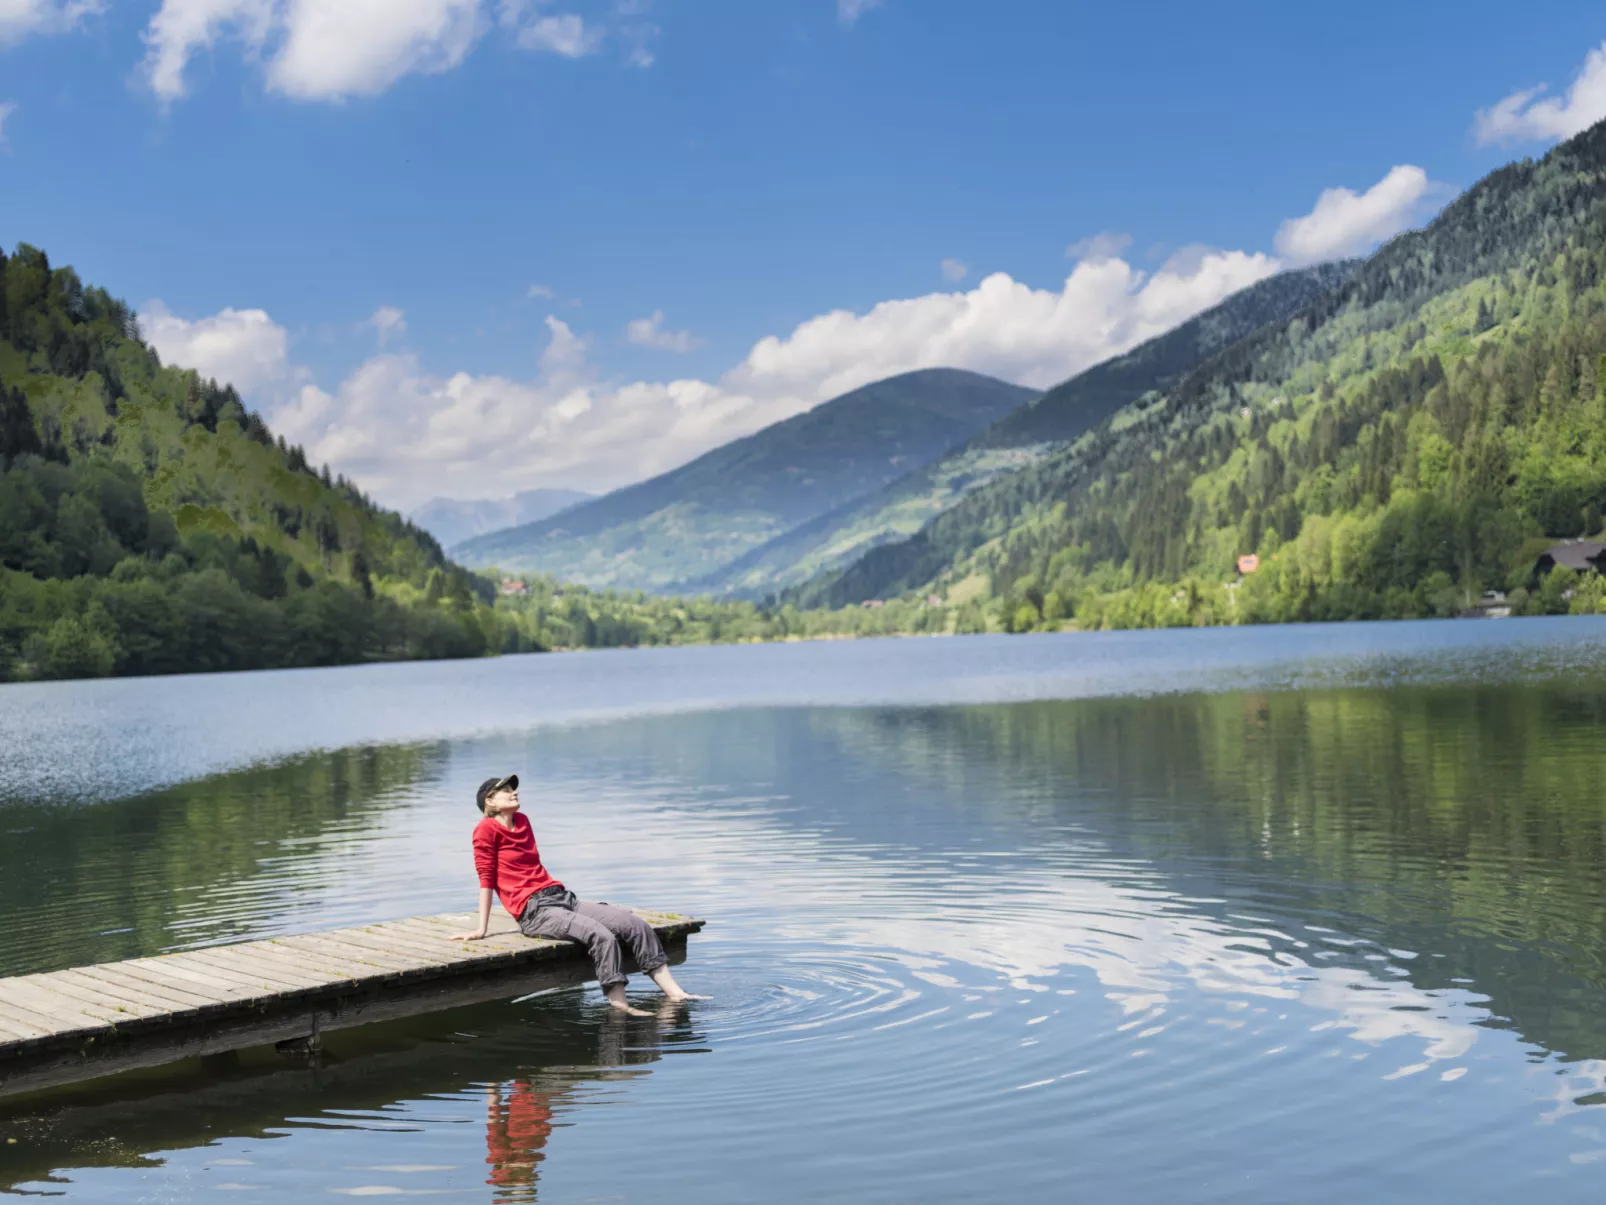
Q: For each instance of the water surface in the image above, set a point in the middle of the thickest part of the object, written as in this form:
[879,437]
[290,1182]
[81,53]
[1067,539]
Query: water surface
[1257,915]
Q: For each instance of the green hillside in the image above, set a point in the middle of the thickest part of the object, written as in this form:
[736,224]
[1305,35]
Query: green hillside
[1405,442]
[149,523]
[681,526]
[1020,438]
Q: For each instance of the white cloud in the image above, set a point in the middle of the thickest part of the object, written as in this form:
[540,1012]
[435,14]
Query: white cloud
[954,270]
[336,48]
[6,110]
[1106,244]
[849,11]
[541,291]
[244,348]
[388,322]
[563,34]
[1348,223]
[405,433]
[321,49]
[650,332]
[1523,117]
[21,18]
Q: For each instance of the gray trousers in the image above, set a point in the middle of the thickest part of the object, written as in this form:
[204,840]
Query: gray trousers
[599,927]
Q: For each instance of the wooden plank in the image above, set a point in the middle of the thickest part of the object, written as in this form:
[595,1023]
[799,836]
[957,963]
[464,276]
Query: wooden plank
[381,960]
[400,945]
[271,958]
[14,1028]
[125,984]
[65,1026]
[92,995]
[273,979]
[19,1015]
[66,1011]
[186,978]
[100,991]
[222,962]
[435,936]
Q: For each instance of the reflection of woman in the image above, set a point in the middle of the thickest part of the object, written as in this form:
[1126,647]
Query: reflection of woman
[517,1125]
[518,1118]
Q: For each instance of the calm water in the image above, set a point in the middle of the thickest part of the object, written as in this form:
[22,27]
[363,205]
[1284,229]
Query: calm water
[1304,914]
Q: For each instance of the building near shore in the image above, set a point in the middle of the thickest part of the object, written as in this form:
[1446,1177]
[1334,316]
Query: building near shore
[1581,556]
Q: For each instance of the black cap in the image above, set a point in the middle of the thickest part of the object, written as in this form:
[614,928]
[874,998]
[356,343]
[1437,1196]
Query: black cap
[491,786]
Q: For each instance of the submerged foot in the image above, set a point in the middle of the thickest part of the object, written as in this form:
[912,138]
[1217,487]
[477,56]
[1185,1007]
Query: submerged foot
[616,999]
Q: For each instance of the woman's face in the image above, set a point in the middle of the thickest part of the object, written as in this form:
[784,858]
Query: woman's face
[503,803]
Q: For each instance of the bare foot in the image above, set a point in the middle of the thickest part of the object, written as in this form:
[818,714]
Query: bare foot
[616,998]
[672,990]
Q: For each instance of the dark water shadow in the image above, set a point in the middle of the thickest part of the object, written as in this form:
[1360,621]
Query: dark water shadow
[531,1060]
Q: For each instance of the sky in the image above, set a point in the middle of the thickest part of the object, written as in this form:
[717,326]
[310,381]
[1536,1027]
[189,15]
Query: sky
[468,247]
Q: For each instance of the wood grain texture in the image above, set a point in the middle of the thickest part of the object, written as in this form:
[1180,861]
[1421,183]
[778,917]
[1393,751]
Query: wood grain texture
[60,1027]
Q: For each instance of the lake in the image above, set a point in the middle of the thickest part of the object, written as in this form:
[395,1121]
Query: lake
[1246,915]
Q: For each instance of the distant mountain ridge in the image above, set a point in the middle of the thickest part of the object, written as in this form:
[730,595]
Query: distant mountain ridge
[1411,438]
[1018,439]
[689,522]
[451,521]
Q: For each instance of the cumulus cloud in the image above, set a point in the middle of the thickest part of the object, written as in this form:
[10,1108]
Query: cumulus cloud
[334,49]
[563,34]
[21,18]
[245,348]
[322,49]
[1345,222]
[405,433]
[1525,117]
[650,332]
[1106,244]
[954,270]
[849,11]
[388,322]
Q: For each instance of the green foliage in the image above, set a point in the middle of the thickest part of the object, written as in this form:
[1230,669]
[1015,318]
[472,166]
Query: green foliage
[553,615]
[677,529]
[1412,438]
[149,523]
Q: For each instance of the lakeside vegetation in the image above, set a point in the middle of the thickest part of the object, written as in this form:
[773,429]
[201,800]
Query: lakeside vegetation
[1414,438]
[150,523]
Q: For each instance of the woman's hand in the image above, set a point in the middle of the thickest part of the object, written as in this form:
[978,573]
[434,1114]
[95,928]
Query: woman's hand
[475,936]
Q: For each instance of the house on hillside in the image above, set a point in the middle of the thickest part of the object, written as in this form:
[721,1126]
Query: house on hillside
[1248,563]
[1582,556]
[514,586]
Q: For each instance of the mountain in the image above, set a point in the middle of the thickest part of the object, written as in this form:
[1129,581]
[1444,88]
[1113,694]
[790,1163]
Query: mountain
[150,523]
[1020,438]
[451,521]
[684,524]
[1406,441]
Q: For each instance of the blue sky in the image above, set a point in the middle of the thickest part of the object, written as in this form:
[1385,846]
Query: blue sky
[265,178]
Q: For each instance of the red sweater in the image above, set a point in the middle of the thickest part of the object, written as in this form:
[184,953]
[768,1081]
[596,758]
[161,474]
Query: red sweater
[509,863]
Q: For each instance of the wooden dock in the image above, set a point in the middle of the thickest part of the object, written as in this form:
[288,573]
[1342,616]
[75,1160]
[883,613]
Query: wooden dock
[61,1027]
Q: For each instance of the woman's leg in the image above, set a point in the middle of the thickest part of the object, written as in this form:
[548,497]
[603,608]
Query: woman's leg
[567,925]
[629,928]
[644,946]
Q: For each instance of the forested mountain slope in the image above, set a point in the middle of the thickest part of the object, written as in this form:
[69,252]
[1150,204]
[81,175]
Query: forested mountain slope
[1404,442]
[686,523]
[149,523]
[1020,438]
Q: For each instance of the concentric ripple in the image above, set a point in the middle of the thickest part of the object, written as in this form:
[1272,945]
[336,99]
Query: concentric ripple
[1269,944]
